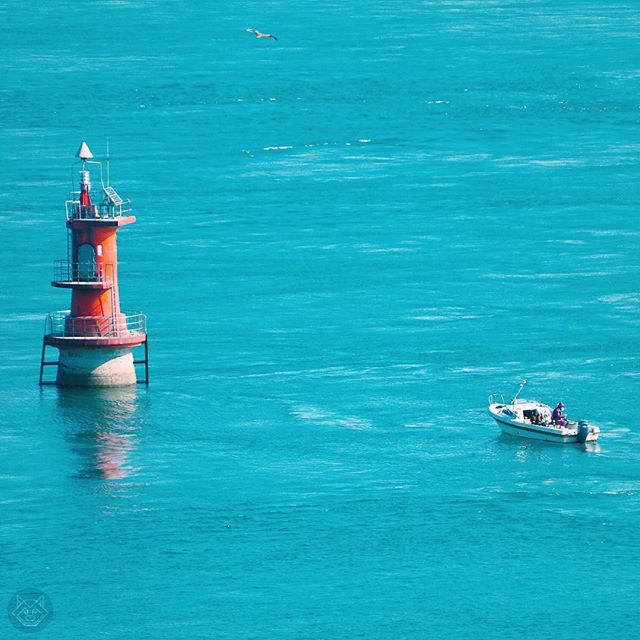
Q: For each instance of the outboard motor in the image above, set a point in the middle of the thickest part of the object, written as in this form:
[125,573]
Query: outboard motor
[583,431]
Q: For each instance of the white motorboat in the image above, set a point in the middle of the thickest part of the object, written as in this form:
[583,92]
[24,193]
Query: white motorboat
[532,419]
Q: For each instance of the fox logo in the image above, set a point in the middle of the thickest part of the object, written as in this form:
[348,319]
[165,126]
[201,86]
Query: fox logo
[30,610]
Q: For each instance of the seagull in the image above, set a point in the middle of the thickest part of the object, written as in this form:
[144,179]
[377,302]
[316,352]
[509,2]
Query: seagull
[259,34]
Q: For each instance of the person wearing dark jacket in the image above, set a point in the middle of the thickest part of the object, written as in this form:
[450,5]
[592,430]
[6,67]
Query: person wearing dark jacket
[558,416]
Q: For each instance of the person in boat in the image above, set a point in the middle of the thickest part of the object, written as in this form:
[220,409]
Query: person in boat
[558,416]
[536,417]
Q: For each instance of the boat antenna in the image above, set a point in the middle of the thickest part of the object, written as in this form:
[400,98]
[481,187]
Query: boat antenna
[108,158]
[518,392]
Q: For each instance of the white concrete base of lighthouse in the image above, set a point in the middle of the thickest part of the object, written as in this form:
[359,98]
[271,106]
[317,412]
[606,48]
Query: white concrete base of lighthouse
[95,368]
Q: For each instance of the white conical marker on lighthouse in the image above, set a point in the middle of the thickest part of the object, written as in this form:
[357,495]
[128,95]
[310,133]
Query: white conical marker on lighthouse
[84,153]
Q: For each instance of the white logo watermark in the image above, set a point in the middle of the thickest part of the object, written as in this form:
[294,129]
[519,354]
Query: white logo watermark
[30,610]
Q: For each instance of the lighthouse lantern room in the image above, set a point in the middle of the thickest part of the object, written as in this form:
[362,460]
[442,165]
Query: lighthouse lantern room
[95,339]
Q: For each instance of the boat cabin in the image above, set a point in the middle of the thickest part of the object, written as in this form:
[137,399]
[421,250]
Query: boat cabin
[532,412]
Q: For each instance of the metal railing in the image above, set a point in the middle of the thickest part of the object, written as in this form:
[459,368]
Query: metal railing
[66,271]
[101,211]
[61,324]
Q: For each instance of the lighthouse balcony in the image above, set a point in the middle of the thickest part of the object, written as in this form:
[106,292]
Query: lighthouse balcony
[82,275]
[110,209]
[119,330]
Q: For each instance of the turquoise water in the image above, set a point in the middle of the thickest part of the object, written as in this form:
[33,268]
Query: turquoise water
[346,240]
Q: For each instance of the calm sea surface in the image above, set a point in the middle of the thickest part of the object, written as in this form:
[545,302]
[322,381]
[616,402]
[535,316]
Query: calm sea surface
[346,240]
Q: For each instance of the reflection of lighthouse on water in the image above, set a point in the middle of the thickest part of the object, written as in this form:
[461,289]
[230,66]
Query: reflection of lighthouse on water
[105,430]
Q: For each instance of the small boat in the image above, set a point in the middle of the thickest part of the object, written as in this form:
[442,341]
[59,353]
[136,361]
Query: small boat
[532,419]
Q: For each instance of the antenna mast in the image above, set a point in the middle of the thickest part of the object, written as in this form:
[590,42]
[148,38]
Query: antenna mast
[518,392]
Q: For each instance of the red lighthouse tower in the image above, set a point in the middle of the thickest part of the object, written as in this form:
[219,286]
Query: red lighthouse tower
[95,338]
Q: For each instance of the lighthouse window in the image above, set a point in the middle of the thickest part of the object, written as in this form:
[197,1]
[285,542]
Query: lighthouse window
[86,262]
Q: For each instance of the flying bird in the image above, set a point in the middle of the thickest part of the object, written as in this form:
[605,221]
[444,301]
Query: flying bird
[259,34]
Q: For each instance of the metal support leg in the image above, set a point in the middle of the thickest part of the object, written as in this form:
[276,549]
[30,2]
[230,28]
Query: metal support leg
[146,361]
[44,346]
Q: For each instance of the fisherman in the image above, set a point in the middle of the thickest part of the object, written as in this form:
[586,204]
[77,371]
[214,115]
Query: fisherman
[558,417]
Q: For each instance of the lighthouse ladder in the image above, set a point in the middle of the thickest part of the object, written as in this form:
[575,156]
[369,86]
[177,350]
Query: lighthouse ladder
[145,362]
[44,363]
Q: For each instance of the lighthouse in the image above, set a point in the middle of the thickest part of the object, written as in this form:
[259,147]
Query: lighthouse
[95,338]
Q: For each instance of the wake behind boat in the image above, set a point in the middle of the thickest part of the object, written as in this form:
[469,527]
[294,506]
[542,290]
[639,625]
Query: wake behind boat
[533,419]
